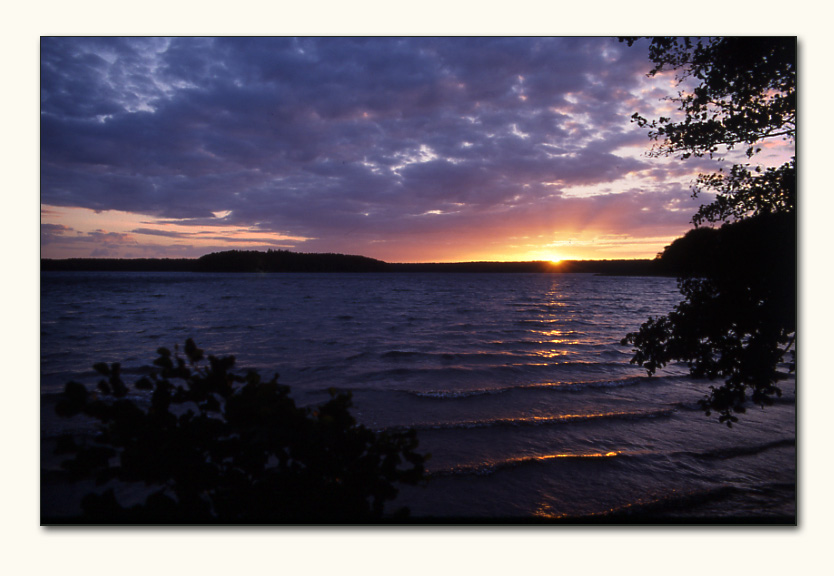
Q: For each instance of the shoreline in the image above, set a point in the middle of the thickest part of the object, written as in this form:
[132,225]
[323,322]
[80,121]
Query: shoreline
[289,262]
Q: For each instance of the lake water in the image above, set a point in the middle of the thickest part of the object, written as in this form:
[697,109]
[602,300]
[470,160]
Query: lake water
[516,383]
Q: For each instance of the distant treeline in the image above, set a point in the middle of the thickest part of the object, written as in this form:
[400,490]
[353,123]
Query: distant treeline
[612,267]
[120,264]
[286,261]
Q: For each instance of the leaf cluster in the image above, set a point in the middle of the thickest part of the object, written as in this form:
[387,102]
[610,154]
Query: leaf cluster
[745,92]
[213,446]
[744,193]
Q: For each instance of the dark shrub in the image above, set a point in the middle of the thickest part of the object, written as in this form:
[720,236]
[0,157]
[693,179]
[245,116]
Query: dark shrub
[217,447]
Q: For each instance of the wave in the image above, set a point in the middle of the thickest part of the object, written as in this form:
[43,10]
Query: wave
[403,354]
[550,322]
[489,468]
[538,420]
[479,358]
[737,451]
[695,406]
[548,386]
[489,370]
[723,505]
[88,375]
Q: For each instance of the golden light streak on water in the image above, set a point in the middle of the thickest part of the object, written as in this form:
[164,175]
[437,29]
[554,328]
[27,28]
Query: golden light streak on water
[575,455]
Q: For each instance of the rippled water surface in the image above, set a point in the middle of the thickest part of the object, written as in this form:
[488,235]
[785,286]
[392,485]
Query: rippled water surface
[517,384]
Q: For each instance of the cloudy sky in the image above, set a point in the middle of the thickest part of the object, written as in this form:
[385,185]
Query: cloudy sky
[402,149]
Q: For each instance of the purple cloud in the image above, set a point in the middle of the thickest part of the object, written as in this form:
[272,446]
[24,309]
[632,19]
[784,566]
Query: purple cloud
[330,138]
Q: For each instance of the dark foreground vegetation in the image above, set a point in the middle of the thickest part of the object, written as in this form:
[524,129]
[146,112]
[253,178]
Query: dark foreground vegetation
[213,446]
[286,261]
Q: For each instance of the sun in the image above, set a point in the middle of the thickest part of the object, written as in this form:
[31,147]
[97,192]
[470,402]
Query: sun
[546,256]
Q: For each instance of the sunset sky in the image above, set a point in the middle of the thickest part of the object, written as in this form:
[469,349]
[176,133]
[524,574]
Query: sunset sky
[143,169]
[402,149]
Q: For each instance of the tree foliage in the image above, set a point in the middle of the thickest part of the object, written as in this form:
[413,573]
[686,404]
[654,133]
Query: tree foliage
[746,192]
[213,446]
[745,93]
[738,316]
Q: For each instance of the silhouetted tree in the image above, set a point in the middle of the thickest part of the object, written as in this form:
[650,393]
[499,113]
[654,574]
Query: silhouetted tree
[738,317]
[214,446]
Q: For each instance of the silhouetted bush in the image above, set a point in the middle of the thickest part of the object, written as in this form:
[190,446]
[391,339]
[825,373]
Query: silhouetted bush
[214,446]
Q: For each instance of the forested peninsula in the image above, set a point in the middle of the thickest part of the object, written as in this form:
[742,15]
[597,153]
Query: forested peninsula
[287,261]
